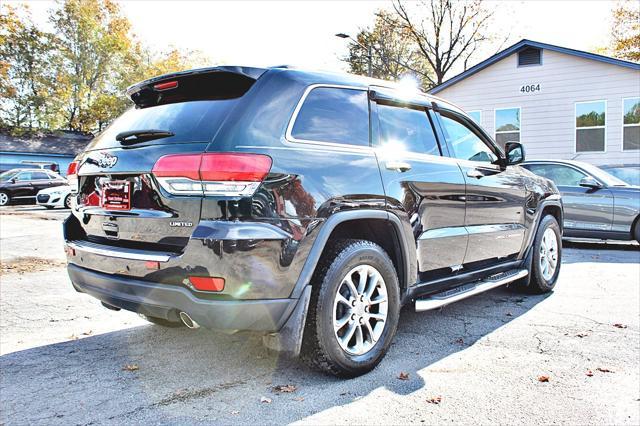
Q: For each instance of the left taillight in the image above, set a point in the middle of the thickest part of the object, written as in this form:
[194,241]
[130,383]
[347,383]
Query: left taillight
[72,176]
[212,174]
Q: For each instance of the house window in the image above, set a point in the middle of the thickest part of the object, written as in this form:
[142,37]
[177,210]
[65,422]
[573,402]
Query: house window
[590,126]
[476,116]
[529,56]
[507,125]
[631,123]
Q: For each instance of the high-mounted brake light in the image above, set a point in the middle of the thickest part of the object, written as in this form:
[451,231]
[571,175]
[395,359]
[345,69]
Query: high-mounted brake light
[72,176]
[165,86]
[223,174]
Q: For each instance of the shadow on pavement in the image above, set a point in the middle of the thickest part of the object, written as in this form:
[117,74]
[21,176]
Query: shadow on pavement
[193,376]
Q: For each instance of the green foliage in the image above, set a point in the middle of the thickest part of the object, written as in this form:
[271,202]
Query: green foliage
[625,31]
[393,53]
[632,115]
[590,119]
[75,77]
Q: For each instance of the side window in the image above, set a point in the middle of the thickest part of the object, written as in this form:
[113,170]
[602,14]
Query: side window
[466,145]
[408,129]
[23,176]
[334,115]
[39,176]
[560,175]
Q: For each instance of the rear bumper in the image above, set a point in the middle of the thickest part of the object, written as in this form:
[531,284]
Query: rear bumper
[166,301]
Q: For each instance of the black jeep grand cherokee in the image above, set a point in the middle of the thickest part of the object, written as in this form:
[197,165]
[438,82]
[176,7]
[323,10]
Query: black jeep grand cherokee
[307,206]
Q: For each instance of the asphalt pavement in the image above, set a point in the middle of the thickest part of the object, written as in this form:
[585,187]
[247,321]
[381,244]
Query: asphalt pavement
[572,356]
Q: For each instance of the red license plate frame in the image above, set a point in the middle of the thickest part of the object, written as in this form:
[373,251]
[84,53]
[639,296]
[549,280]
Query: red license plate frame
[116,195]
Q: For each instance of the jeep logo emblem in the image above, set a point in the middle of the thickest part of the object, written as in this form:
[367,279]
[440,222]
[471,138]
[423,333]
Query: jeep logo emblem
[107,160]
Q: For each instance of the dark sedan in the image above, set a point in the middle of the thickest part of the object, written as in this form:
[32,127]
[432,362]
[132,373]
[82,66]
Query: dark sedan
[596,203]
[24,184]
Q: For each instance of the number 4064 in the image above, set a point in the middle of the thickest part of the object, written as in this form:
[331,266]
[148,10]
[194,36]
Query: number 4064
[530,88]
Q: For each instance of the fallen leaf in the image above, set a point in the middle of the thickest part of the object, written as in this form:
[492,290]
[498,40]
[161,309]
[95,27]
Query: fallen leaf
[543,379]
[265,400]
[284,388]
[581,335]
[87,333]
[618,325]
[589,373]
[435,400]
[459,341]
[73,337]
[130,367]
[604,370]
[299,398]
[403,376]
[235,412]
[509,314]
[344,393]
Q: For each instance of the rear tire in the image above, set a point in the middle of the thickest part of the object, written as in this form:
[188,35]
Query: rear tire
[162,322]
[636,231]
[5,198]
[349,328]
[547,257]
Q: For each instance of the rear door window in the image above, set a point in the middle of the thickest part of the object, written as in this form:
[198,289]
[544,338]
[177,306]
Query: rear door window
[39,176]
[333,115]
[407,129]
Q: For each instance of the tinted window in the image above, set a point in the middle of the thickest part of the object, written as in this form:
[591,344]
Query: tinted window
[409,129]
[560,175]
[334,115]
[39,176]
[195,121]
[465,143]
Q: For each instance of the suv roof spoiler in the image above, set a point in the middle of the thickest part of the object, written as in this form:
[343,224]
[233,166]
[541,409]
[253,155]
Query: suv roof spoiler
[249,72]
[152,91]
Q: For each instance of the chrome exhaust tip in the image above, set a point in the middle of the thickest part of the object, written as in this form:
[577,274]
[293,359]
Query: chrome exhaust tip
[186,320]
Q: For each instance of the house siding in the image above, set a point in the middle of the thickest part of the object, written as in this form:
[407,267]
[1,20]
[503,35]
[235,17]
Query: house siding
[547,118]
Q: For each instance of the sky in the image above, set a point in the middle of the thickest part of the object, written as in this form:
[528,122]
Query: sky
[266,33]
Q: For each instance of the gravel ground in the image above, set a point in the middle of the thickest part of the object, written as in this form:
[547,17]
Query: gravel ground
[66,360]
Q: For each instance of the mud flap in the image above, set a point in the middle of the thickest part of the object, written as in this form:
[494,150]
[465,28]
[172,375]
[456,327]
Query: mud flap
[289,339]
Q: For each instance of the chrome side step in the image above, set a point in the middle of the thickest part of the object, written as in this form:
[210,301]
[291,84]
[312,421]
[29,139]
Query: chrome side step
[438,300]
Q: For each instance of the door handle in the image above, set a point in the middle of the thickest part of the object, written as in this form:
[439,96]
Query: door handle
[399,166]
[475,173]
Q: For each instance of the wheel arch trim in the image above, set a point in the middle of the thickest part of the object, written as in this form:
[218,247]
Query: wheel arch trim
[327,229]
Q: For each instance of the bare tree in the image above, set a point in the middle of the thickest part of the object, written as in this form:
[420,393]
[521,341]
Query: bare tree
[446,32]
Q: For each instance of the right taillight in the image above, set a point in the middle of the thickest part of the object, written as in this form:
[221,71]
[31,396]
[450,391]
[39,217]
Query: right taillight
[221,174]
[72,176]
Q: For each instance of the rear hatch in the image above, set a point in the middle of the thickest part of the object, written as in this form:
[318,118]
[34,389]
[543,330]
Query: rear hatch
[120,201]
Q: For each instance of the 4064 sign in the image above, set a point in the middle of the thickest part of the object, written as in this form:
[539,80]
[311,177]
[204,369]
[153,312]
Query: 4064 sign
[530,88]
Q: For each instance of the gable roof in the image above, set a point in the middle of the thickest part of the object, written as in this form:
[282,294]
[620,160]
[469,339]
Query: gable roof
[60,143]
[529,43]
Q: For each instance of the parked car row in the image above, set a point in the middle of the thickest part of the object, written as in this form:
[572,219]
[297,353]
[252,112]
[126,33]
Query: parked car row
[45,187]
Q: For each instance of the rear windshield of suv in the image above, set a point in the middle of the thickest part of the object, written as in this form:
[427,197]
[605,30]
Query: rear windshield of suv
[194,121]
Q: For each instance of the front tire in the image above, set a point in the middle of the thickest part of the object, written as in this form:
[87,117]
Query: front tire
[67,202]
[547,256]
[354,309]
[5,198]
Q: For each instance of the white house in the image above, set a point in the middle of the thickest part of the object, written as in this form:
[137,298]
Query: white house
[560,103]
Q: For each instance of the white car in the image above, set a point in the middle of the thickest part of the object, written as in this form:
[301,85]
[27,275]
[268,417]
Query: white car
[58,196]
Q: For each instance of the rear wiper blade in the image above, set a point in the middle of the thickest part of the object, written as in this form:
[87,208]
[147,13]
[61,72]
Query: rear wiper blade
[137,136]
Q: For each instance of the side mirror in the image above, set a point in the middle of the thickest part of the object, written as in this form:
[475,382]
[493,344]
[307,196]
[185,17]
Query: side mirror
[515,153]
[590,182]
[12,180]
